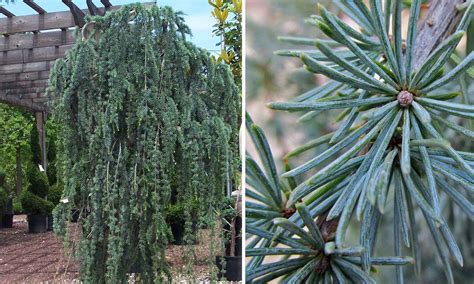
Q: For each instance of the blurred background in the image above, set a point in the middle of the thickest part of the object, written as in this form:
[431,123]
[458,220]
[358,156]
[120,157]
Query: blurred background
[275,78]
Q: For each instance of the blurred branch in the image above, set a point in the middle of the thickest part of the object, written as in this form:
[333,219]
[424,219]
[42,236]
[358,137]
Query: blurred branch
[441,21]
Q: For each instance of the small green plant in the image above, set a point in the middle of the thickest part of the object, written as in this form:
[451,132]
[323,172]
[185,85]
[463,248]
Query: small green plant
[17,208]
[228,14]
[391,139]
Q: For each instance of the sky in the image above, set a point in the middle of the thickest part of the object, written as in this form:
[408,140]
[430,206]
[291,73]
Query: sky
[197,15]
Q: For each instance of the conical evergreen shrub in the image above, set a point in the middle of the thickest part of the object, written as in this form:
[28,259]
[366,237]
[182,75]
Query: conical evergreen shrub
[34,200]
[146,118]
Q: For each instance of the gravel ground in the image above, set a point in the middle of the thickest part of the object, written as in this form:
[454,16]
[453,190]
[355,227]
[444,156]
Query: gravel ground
[32,258]
[39,258]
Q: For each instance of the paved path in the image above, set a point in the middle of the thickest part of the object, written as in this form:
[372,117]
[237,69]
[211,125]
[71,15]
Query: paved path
[32,258]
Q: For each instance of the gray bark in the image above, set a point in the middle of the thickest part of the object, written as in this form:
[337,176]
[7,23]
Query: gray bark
[440,22]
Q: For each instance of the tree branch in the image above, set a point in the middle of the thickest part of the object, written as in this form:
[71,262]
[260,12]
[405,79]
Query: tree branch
[440,22]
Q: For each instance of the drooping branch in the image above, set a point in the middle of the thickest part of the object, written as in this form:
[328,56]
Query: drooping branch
[440,22]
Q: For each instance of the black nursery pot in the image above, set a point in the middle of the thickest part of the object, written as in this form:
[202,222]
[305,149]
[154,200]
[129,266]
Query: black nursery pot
[233,267]
[7,218]
[37,223]
[75,215]
[50,223]
[178,233]
[7,221]
[9,207]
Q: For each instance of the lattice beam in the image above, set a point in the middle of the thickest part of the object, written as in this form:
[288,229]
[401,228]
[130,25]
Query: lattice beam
[44,39]
[6,12]
[35,7]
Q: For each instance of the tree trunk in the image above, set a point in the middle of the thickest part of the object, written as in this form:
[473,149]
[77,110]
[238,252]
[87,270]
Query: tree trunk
[19,174]
[41,126]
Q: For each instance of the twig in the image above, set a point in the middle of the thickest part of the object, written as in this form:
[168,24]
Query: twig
[440,22]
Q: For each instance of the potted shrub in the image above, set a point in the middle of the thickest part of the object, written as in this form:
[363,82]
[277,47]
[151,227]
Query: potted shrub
[34,203]
[232,225]
[176,220]
[6,205]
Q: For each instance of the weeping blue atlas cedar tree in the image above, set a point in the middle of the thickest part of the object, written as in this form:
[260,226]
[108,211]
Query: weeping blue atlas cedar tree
[147,119]
[390,142]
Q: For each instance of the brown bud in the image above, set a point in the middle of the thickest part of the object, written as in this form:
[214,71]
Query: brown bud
[405,98]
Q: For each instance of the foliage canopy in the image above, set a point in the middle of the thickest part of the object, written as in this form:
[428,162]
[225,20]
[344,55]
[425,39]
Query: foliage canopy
[146,119]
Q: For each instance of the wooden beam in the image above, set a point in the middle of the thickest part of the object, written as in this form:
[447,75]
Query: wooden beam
[41,83]
[26,67]
[6,12]
[44,39]
[93,10]
[27,104]
[28,96]
[41,99]
[33,54]
[77,13]
[48,21]
[35,7]
[25,76]
[32,23]
[20,91]
[106,3]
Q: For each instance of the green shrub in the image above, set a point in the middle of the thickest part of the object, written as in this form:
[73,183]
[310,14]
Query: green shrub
[51,156]
[35,146]
[176,213]
[38,182]
[17,207]
[55,193]
[32,199]
[33,204]
[52,174]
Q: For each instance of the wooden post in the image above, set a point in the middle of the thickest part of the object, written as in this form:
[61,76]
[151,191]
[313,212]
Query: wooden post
[19,174]
[41,126]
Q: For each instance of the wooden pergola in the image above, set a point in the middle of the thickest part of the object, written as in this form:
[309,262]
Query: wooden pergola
[29,46]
